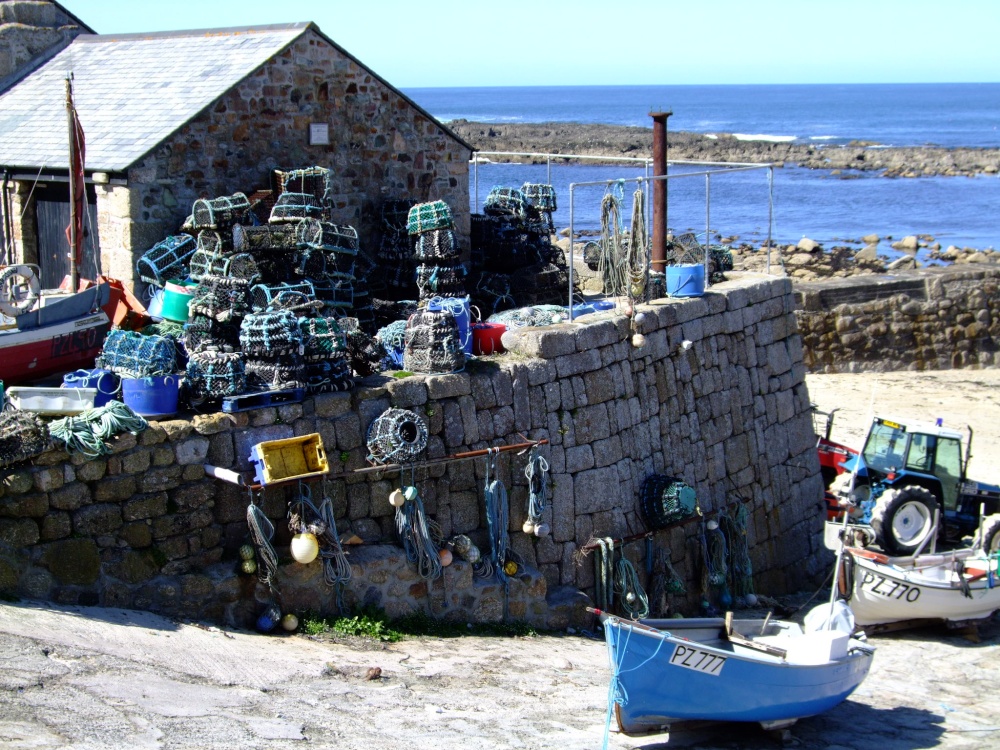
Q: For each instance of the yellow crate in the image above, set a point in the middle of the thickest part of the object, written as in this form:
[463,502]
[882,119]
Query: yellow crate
[292,458]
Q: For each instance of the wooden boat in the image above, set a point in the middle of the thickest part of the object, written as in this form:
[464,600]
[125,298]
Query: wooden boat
[953,586]
[715,669]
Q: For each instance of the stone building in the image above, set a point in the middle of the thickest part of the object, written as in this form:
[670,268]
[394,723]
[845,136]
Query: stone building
[176,116]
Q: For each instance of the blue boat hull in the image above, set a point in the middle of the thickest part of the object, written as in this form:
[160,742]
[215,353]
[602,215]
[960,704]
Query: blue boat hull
[663,678]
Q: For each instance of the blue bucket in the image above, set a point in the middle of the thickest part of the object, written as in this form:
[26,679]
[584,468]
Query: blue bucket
[153,398]
[105,381]
[686,280]
[460,310]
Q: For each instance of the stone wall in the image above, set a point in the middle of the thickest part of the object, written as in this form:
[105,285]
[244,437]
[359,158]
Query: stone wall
[382,147]
[930,319]
[708,389]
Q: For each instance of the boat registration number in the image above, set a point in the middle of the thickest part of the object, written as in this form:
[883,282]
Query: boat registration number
[690,657]
[889,589]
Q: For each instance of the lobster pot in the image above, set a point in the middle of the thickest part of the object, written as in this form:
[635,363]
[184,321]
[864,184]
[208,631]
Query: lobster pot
[221,298]
[202,333]
[539,222]
[365,352]
[395,247]
[426,216]
[133,355]
[270,333]
[275,373]
[393,340]
[396,436]
[215,374]
[216,243]
[506,201]
[293,207]
[310,262]
[268,237]
[491,292]
[237,265]
[312,180]
[327,235]
[339,265]
[395,214]
[459,308]
[437,244]
[23,434]
[664,500]
[336,293]
[329,375]
[219,213]
[322,339]
[389,311]
[441,281]
[261,203]
[166,260]
[542,197]
[262,296]
[432,344]
[275,266]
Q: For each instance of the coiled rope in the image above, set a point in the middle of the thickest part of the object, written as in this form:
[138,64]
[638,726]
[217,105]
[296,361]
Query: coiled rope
[336,568]
[538,488]
[261,533]
[740,567]
[87,432]
[610,267]
[415,534]
[604,580]
[637,252]
[497,514]
[630,592]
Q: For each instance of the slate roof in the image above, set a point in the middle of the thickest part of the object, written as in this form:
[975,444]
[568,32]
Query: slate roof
[132,92]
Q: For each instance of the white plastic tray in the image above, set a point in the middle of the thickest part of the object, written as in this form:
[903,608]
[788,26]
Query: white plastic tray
[54,401]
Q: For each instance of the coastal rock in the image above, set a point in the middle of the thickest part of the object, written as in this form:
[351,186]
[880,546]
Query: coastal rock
[909,244]
[808,245]
[871,239]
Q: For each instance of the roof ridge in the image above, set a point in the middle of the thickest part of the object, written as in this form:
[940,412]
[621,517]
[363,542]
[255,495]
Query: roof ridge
[228,31]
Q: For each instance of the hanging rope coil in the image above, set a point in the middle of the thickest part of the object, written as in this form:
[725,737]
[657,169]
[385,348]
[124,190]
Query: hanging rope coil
[336,568]
[637,252]
[262,532]
[611,267]
[87,432]
[740,567]
[604,577]
[630,592]
[497,515]
[538,489]
[415,534]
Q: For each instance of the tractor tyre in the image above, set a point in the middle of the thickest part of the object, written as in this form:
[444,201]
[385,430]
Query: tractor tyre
[903,519]
[989,538]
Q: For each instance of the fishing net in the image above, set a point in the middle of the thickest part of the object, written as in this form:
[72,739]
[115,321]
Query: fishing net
[492,292]
[665,500]
[536,315]
[388,311]
[366,354]
[166,260]
[263,295]
[275,373]
[264,238]
[684,249]
[312,180]
[542,197]
[222,298]
[426,216]
[293,207]
[432,343]
[23,435]
[165,327]
[396,436]
[335,293]
[237,265]
[215,374]
[506,201]
[219,213]
[436,244]
[327,235]
[133,355]
[322,338]
[270,333]
[202,333]
[441,281]
[393,340]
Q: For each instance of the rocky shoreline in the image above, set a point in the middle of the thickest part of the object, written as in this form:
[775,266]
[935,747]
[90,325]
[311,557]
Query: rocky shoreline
[616,140]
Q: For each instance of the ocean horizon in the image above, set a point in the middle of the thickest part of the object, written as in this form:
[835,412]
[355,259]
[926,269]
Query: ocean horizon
[824,206]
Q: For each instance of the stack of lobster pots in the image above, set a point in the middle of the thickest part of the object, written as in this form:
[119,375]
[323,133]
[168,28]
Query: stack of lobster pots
[440,273]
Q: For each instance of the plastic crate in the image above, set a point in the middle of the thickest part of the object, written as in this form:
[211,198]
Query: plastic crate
[289,459]
[53,401]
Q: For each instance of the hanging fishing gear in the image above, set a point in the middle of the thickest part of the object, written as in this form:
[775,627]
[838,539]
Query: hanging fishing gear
[637,251]
[538,489]
[714,568]
[664,582]
[627,587]
[261,534]
[497,515]
[305,518]
[416,535]
[611,267]
[739,565]
[604,588]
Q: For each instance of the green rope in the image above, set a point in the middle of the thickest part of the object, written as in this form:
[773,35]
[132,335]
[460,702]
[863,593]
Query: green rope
[86,432]
[633,599]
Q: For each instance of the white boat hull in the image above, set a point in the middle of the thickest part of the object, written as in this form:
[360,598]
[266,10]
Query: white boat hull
[885,589]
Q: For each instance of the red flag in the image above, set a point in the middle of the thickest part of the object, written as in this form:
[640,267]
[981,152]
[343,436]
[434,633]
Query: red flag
[79,207]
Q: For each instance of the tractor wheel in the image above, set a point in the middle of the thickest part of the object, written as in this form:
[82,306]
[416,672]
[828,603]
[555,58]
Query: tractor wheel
[903,519]
[989,541]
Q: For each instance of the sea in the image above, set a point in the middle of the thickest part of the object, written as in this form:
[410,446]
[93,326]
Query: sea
[786,203]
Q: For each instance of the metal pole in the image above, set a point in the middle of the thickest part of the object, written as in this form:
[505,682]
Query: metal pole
[548,170]
[659,250]
[74,272]
[770,215]
[571,186]
[475,172]
[708,224]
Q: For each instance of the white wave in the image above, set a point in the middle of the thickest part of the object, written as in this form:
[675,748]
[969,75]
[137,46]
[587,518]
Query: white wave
[763,137]
[823,137]
[713,136]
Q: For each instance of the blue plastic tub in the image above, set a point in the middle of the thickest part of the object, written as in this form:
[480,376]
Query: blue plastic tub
[460,310]
[153,398]
[587,308]
[105,381]
[686,280]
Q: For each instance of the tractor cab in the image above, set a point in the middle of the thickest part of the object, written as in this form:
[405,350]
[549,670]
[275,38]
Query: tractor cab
[908,474]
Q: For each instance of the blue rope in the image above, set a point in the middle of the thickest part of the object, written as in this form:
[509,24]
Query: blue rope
[538,489]
[497,515]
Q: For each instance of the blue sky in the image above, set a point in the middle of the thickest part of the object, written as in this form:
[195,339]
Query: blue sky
[591,42]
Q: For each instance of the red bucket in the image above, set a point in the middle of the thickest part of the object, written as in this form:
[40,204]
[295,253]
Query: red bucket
[486,338]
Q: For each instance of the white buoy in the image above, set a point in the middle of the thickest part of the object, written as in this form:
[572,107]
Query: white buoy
[396,498]
[638,340]
[305,548]
[528,527]
[289,622]
[712,525]
[542,529]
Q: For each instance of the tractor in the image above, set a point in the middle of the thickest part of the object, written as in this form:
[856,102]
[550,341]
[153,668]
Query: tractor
[909,486]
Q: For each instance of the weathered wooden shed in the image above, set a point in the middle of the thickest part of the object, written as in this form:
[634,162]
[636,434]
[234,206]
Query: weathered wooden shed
[176,116]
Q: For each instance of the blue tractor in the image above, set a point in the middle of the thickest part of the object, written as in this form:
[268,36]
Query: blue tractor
[909,484]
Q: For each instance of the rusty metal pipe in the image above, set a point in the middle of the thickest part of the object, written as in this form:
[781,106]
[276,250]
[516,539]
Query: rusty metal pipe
[659,249]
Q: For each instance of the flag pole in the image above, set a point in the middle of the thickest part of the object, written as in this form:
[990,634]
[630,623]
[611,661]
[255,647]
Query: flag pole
[74,272]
